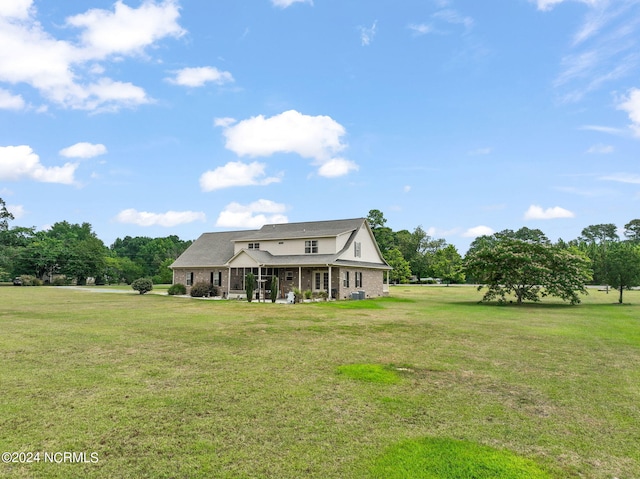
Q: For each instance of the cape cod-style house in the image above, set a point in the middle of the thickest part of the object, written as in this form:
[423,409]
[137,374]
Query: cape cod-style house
[339,257]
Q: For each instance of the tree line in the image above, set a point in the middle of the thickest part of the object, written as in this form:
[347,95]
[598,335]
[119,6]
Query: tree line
[522,263]
[68,253]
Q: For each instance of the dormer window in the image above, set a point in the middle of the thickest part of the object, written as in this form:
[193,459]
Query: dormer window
[254,245]
[311,246]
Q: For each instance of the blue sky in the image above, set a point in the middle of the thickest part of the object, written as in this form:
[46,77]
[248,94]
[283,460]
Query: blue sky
[151,118]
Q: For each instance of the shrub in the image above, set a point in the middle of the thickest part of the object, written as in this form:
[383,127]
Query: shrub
[250,286]
[142,285]
[308,294]
[201,290]
[177,288]
[60,281]
[28,280]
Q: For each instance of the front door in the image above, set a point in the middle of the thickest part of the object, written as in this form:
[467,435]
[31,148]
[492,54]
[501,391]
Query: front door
[320,281]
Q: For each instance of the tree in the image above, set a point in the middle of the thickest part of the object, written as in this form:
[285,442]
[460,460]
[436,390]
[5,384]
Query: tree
[632,230]
[527,268]
[382,234]
[594,241]
[401,271]
[447,265]
[623,271]
[5,215]
[142,285]
[249,286]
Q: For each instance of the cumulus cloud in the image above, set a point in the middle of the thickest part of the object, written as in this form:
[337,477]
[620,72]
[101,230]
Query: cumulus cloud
[288,3]
[476,231]
[253,215]
[337,167]
[536,212]
[64,72]
[368,33]
[20,162]
[315,137]
[8,101]
[168,219]
[631,104]
[236,173]
[198,76]
[83,150]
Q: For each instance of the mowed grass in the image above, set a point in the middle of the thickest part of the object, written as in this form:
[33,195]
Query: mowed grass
[168,387]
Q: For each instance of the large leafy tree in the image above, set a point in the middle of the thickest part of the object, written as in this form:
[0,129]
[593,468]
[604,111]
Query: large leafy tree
[447,265]
[401,271]
[525,264]
[632,230]
[623,261]
[383,234]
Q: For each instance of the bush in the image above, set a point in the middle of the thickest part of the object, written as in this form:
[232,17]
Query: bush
[308,294]
[28,280]
[60,281]
[250,286]
[177,288]
[202,289]
[142,285]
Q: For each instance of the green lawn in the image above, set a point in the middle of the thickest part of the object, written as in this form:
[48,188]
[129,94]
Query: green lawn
[427,381]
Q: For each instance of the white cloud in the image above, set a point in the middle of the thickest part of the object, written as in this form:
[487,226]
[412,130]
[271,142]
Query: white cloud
[604,48]
[420,28]
[623,178]
[224,122]
[368,33]
[168,219]
[18,9]
[549,4]
[288,3]
[198,76]
[9,101]
[406,188]
[16,210]
[336,167]
[536,212]
[83,150]
[65,72]
[253,215]
[601,149]
[315,137]
[126,30]
[604,129]
[476,231]
[236,173]
[453,17]
[18,162]
[631,105]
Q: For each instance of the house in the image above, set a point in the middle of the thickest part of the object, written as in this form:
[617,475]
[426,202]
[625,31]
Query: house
[340,257]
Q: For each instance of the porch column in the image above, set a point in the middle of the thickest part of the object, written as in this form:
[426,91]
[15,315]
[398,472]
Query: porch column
[259,282]
[300,278]
[329,292]
[229,283]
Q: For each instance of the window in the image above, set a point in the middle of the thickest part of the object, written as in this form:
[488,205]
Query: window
[311,246]
[357,249]
[288,275]
[358,279]
[321,281]
[345,280]
[254,245]
[189,279]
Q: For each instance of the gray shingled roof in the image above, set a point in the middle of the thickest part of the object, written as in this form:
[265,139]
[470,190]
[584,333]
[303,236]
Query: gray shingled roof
[210,249]
[310,229]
